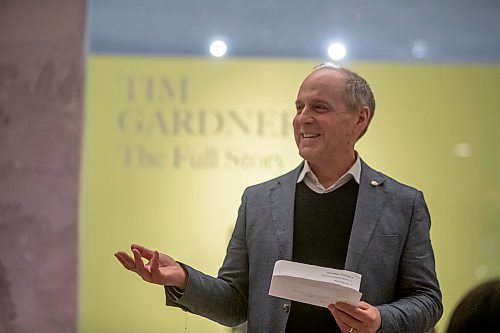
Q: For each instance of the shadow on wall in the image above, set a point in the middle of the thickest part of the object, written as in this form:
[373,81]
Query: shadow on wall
[7,313]
[479,310]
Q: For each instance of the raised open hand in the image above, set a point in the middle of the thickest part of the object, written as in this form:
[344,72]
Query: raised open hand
[161,269]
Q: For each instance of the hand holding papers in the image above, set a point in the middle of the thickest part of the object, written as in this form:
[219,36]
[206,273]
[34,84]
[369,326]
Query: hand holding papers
[314,285]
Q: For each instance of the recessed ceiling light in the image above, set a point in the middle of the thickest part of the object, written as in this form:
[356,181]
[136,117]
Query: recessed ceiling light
[336,51]
[218,48]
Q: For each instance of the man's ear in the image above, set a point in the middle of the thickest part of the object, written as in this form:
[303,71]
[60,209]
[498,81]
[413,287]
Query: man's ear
[363,120]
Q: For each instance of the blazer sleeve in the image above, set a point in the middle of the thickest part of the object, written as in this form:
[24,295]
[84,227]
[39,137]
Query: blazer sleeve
[223,299]
[418,304]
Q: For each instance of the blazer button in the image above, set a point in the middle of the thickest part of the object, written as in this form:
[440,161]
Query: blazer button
[286,307]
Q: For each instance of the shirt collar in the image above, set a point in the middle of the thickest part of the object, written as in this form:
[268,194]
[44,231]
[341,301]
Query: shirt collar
[310,179]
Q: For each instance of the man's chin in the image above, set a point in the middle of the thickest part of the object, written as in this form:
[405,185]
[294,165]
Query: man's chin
[307,153]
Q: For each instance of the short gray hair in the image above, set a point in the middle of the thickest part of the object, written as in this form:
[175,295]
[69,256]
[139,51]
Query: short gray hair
[358,92]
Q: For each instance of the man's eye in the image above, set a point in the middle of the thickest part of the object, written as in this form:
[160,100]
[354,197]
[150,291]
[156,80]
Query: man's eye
[299,108]
[320,108]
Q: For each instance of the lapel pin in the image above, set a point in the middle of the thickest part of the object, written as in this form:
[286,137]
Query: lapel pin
[374,183]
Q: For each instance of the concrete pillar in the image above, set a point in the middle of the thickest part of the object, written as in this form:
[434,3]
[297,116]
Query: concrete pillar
[41,93]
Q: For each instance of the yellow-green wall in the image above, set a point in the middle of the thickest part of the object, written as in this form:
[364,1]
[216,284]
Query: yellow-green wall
[176,187]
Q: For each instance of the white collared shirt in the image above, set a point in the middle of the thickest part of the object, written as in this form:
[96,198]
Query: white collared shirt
[311,181]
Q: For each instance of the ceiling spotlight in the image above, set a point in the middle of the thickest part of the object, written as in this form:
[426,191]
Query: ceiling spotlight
[336,51]
[218,48]
[419,49]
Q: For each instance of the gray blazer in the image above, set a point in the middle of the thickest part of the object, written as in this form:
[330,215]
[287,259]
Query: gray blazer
[389,245]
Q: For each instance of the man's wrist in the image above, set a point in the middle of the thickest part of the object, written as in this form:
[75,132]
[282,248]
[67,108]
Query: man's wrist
[182,279]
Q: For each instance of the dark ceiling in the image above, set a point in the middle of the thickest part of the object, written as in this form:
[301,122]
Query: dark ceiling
[372,30]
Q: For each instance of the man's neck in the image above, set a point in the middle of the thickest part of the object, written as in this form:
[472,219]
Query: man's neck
[329,172]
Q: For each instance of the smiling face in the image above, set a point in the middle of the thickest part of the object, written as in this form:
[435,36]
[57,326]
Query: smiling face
[325,128]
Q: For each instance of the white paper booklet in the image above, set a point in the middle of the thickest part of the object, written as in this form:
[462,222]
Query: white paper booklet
[314,285]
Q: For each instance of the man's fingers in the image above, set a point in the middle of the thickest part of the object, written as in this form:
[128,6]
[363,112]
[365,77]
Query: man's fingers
[155,267]
[159,269]
[144,251]
[350,310]
[346,318]
[364,305]
[345,307]
[363,317]
[125,260]
[141,269]
[343,326]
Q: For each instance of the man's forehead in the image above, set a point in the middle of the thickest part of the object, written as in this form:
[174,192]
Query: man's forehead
[327,72]
[324,78]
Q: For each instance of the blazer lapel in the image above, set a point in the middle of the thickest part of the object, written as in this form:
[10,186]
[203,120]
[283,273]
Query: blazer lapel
[282,195]
[371,199]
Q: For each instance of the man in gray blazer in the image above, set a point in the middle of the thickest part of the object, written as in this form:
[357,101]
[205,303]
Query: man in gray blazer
[332,210]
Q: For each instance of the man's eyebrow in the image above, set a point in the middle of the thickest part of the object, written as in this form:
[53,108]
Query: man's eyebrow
[320,101]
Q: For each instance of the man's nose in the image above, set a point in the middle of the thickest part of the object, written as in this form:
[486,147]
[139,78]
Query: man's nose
[306,116]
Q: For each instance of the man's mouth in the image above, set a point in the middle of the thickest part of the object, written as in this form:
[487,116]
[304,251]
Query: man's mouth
[310,135]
